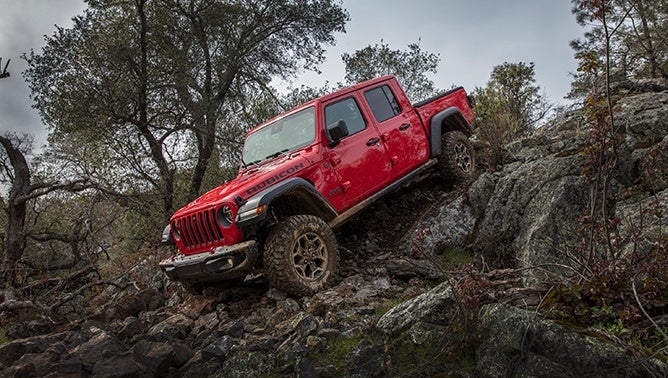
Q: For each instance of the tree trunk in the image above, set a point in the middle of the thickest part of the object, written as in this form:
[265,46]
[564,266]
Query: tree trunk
[212,100]
[16,213]
[157,155]
[650,53]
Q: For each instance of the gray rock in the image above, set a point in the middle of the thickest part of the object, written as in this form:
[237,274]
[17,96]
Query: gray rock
[12,351]
[130,328]
[549,226]
[176,327]
[122,365]
[156,357]
[101,346]
[480,193]
[536,202]
[447,225]
[132,305]
[253,364]
[220,349]
[182,353]
[37,363]
[642,220]
[408,267]
[644,118]
[304,324]
[515,342]
[304,368]
[366,360]
[24,330]
[435,306]
[654,167]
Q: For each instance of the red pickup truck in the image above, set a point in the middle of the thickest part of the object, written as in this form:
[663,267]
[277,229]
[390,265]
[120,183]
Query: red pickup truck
[307,171]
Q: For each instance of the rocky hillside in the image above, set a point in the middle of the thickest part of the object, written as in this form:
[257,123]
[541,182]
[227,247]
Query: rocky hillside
[432,283]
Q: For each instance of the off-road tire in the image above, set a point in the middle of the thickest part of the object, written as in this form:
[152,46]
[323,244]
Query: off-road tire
[457,160]
[301,255]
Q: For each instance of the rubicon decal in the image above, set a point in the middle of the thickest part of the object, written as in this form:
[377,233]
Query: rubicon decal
[274,179]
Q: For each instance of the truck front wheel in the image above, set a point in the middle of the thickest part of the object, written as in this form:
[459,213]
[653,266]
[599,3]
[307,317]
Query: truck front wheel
[301,255]
[457,161]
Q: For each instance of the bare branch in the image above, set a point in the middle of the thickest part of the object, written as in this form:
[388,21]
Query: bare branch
[635,295]
[4,73]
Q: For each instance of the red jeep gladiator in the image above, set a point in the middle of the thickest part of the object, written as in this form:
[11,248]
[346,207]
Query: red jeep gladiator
[308,170]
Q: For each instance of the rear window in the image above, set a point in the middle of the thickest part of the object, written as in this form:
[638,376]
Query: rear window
[383,103]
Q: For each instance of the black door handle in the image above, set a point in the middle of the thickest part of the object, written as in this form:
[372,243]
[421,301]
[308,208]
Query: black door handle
[372,141]
[404,126]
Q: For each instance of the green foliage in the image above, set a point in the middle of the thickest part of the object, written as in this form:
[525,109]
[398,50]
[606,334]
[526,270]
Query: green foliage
[409,66]
[146,84]
[637,45]
[337,351]
[454,258]
[512,92]
[508,107]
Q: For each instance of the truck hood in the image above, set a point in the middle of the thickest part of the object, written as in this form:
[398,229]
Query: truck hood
[248,183]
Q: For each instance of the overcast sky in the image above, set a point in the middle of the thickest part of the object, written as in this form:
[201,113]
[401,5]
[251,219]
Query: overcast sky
[470,36]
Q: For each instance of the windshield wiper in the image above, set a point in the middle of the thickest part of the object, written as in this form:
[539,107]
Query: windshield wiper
[279,153]
[256,162]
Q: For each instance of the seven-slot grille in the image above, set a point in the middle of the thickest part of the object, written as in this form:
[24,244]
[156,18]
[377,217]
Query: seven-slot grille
[199,229]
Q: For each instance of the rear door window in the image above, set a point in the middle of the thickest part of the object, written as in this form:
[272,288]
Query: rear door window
[383,103]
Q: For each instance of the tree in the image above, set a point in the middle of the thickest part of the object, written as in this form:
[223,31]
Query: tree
[145,84]
[637,40]
[16,172]
[409,66]
[599,110]
[512,91]
[509,106]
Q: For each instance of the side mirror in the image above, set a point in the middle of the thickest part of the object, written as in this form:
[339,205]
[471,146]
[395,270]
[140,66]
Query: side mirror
[337,131]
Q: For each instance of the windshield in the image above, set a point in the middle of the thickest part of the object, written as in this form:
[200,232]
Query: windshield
[282,136]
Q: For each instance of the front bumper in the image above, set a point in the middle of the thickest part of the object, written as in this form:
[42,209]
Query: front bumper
[223,263]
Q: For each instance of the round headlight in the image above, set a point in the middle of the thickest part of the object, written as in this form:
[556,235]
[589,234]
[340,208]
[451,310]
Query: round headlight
[175,231]
[225,215]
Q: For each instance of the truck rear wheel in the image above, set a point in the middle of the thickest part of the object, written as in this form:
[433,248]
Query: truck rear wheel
[301,255]
[457,160]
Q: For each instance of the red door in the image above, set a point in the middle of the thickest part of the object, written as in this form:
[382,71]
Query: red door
[360,158]
[400,129]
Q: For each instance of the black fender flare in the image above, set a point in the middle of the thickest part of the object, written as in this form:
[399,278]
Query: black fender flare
[436,127]
[248,214]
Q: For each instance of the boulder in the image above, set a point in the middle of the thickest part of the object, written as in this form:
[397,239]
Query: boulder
[101,346]
[536,202]
[121,365]
[437,306]
[12,351]
[642,221]
[446,225]
[643,118]
[516,342]
[176,327]
[654,167]
[156,357]
[530,210]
